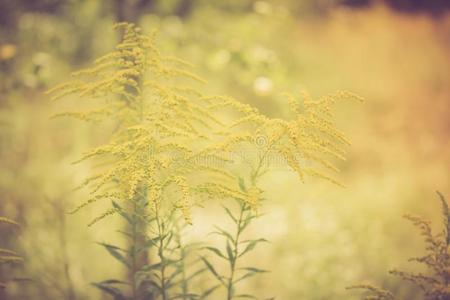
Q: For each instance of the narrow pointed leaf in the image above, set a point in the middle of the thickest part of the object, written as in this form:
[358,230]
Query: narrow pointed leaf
[230,214]
[251,245]
[222,232]
[230,253]
[216,251]
[242,184]
[212,270]
[115,292]
[115,252]
[246,296]
[209,291]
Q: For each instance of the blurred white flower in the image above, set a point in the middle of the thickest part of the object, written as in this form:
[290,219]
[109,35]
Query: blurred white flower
[262,7]
[262,86]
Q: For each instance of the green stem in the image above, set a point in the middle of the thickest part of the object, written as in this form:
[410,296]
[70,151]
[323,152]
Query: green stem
[243,207]
[233,261]
[183,255]
[139,255]
[256,173]
[133,253]
[161,233]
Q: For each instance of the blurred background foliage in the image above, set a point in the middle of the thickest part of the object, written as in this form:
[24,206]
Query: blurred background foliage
[395,54]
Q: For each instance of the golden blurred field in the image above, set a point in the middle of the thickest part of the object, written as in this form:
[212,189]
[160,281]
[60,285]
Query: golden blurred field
[323,238]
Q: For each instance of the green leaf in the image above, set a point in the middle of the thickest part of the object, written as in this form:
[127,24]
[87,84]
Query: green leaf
[185,296]
[242,184]
[228,211]
[209,291]
[115,252]
[252,272]
[142,278]
[252,269]
[190,277]
[246,222]
[112,281]
[122,212]
[168,262]
[212,270]
[216,251]
[169,281]
[222,232]
[115,292]
[169,237]
[195,274]
[251,245]
[245,296]
[151,267]
[150,243]
[230,254]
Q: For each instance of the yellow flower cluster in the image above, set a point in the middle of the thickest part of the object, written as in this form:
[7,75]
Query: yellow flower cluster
[162,124]
[308,142]
[169,133]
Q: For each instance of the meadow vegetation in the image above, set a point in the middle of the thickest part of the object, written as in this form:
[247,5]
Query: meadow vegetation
[208,159]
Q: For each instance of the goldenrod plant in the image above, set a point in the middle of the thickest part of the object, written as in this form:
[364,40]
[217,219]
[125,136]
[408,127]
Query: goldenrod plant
[435,284]
[306,143]
[152,154]
[8,256]
[174,147]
